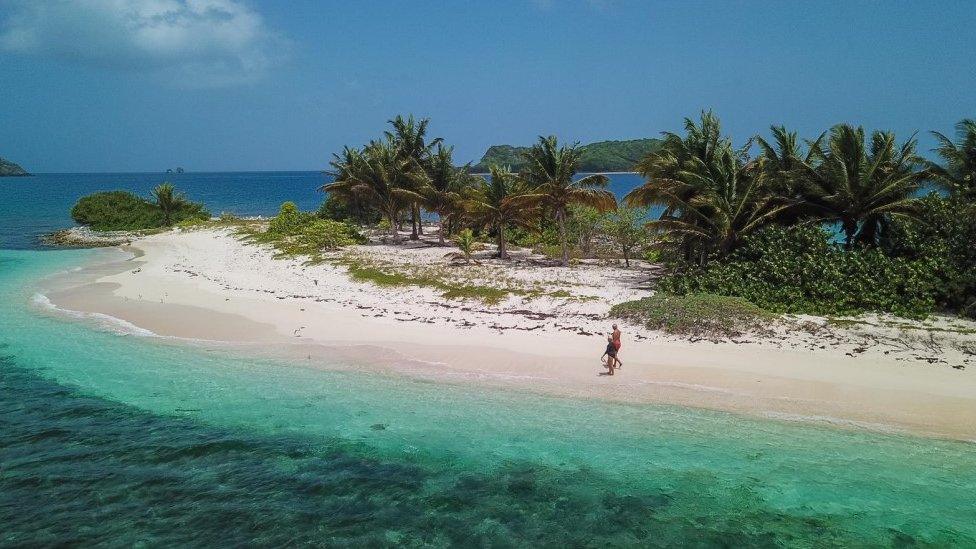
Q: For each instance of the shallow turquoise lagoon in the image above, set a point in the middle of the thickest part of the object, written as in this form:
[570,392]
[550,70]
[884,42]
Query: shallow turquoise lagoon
[122,440]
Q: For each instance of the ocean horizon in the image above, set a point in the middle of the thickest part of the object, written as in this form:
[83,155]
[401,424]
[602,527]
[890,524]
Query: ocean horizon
[31,207]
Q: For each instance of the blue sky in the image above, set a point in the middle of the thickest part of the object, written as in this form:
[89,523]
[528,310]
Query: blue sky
[142,85]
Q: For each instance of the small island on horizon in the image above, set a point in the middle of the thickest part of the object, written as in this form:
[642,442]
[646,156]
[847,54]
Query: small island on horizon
[9,169]
[601,156]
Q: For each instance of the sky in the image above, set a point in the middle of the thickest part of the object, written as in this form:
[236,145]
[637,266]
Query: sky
[235,85]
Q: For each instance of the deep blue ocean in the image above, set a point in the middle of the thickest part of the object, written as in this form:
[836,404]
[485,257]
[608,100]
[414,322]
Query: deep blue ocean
[34,206]
[108,439]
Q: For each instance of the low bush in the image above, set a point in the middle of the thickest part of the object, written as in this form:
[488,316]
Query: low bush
[943,238]
[696,315]
[289,221]
[116,211]
[322,235]
[338,208]
[293,232]
[801,270]
[125,211]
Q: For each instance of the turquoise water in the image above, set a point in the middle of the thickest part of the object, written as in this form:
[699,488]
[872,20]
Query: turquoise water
[122,440]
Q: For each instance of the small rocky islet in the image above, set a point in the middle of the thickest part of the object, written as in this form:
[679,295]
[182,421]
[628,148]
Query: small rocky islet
[9,169]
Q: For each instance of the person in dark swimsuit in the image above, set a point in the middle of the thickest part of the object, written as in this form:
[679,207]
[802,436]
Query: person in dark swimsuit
[611,354]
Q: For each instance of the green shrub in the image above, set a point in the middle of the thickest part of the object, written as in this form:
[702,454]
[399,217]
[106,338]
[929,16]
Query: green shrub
[800,270]
[338,208]
[293,232]
[324,234]
[696,315]
[124,211]
[944,239]
[116,211]
[289,221]
[192,223]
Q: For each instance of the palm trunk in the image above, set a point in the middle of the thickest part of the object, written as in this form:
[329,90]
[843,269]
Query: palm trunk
[443,227]
[561,219]
[413,223]
[420,221]
[392,217]
[502,252]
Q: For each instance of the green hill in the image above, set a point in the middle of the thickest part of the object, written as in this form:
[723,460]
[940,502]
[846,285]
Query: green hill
[603,156]
[9,169]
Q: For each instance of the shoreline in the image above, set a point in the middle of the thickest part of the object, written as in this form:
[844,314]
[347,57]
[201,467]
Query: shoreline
[205,285]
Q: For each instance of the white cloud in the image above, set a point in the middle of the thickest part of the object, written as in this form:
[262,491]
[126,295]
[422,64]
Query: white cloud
[190,42]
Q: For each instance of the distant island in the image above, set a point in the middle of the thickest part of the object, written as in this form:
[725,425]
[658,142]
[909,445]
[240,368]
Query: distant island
[9,169]
[603,156]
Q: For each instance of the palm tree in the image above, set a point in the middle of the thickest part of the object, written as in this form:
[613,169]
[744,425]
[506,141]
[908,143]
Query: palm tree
[788,169]
[501,200]
[958,175]
[168,200]
[410,137]
[787,165]
[863,185]
[379,174]
[660,168]
[465,242]
[550,171]
[729,201]
[683,176]
[443,186]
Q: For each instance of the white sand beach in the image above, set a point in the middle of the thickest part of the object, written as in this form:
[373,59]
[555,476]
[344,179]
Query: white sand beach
[545,337]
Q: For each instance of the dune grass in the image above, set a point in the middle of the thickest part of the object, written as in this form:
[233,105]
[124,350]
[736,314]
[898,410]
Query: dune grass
[696,315]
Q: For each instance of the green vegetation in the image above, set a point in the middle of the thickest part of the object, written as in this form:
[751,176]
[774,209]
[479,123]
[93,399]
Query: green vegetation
[388,276]
[604,156]
[941,238]
[465,242]
[550,172]
[502,200]
[9,169]
[124,211]
[746,226]
[957,173]
[626,232]
[799,270]
[296,233]
[696,315]
[380,277]
[833,225]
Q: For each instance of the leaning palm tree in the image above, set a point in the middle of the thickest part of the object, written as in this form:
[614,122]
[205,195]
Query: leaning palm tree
[958,173]
[380,175]
[864,185]
[443,186]
[501,200]
[168,200]
[550,170]
[357,205]
[410,137]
